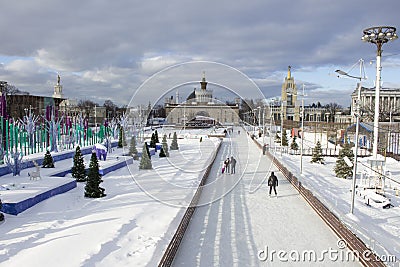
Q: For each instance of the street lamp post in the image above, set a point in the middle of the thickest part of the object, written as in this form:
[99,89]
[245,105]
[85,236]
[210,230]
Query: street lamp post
[357,115]
[379,36]
[263,124]
[302,132]
[270,122]
[327,130]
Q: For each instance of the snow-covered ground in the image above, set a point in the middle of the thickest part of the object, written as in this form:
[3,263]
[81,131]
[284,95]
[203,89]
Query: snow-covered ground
[131,226]
[134,223]
[379,228]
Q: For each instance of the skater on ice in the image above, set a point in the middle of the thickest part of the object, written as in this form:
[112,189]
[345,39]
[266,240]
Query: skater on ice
[233,165]
[272,183]
[226,165]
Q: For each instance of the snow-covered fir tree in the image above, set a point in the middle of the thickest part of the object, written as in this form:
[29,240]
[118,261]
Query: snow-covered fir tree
[92,188]
[147,150]
[317,154]
[342,170]
[78,169]
[294,145]
[174,143]
[145,161]
[284,138]
[156,137]
[132,148]
[153,140]
[162,153]
[165,145]
[48,161]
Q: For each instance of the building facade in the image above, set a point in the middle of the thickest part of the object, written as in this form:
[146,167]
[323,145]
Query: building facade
[289,108]
[389,103]
[201,103]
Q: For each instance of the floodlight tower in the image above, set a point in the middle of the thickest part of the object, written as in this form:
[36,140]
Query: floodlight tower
[379,36]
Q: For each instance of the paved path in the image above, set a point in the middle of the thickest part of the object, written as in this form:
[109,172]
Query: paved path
[237,220]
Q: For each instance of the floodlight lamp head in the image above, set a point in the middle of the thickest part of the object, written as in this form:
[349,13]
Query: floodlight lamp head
[341,72]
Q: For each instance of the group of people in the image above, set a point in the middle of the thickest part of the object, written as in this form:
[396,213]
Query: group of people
[229,165]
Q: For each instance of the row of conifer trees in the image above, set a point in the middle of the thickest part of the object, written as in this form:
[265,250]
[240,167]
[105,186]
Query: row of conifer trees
[342,170]
[92,176]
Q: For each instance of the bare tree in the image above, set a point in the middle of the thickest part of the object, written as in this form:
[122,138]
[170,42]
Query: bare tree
[110,107]
[385,112]
[332,109]
[87,106]
[10,89]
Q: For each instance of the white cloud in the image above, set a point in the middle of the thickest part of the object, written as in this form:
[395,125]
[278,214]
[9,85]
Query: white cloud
[119,44]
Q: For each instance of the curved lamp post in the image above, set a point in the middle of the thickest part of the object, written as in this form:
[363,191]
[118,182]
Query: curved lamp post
[379,36]
[357,115]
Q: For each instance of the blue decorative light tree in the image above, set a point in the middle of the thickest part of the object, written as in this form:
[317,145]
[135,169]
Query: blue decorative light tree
[29,123]
[14,162]
[52,125]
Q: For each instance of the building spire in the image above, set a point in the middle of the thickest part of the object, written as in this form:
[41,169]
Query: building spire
[203,81]
[58,89]
[288,72]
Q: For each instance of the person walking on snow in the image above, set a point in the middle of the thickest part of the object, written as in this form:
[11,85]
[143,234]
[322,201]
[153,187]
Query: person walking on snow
[272,183]
[233,165]
[226,163]
[264,149]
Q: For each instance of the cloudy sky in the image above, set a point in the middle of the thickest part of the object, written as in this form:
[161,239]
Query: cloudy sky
[107,49]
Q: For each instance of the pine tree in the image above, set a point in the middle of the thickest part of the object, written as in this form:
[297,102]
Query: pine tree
[174,143]
[294,145]
[132,148]
[153,141]
[156,137]
[78,169]
[165,145]
[162,153]
[284,138]
[48,161]
[342,170]
[147,149]
[120,137]
[145,161]
[317,154]
[277,138]
[92,188]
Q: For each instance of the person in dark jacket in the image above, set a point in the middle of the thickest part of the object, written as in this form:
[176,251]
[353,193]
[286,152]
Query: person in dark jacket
[233,165]
[272,183]
[226,163]
[264,149]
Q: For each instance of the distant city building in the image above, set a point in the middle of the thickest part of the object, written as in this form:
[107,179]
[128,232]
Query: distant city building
[17,105]
[201,103]
[290,105]
[389,102]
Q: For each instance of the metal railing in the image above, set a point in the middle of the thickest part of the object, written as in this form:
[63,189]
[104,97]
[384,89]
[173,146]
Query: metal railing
[353,242]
